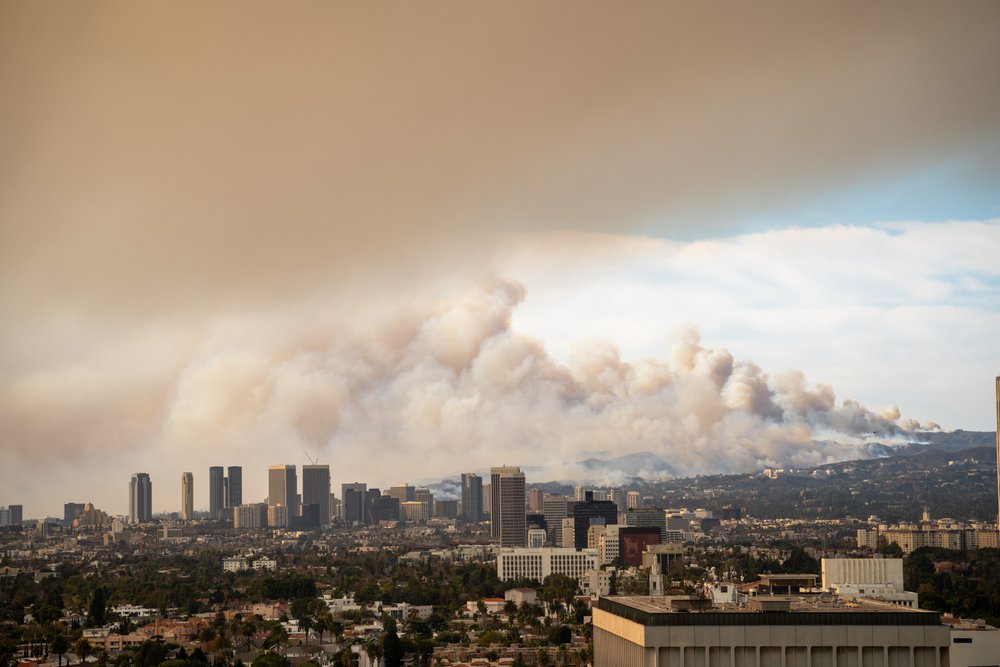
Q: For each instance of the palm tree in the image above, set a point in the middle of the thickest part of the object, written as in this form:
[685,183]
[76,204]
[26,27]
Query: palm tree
[82,648]
[324,623]
[510,608]
[373,647]
[59,646]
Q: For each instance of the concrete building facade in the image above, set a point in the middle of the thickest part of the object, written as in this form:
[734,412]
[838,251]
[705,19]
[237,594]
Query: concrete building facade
[773,632]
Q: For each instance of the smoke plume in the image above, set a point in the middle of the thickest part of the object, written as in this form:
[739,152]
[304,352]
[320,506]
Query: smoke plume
[445,387]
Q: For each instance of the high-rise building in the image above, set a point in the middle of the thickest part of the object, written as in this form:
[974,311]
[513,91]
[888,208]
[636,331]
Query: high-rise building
[648,517]
[426,497]
[587,512]
[487,500]
[472,497]
[250,516]
[998,451]
[11,516]
[353,498]
[216,491]
[385,508]
[187,496]
[403,493]
[508,520]
[282,489]
[617,496]
[70,512]
[554,509]
[632,499]
[234,486]
[535,500]
[140,498]
[445,509]
[316,490]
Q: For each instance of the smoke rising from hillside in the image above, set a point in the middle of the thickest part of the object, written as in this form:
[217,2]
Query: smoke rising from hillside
[445,387]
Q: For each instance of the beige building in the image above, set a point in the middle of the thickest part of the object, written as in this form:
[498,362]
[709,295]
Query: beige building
[539,563]
[770,632]
[873,578]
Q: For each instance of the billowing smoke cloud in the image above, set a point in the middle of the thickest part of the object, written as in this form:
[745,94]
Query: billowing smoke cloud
[445,387]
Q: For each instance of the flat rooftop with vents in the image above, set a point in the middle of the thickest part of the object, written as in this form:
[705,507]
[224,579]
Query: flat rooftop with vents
[769,631]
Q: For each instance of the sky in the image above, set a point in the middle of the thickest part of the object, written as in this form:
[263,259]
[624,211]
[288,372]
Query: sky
[416,240]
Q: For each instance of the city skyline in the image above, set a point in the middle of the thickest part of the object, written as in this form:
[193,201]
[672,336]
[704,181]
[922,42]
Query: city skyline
[731,237]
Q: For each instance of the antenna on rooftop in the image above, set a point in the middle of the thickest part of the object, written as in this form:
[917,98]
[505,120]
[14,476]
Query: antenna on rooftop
[311,459]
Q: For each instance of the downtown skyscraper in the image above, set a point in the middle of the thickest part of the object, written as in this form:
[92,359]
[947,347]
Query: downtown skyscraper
[187,496]
[282,489]
[140,498]
[472,497]
[508,519]
[316,490]
[234,486]
[353,499]
[216,491]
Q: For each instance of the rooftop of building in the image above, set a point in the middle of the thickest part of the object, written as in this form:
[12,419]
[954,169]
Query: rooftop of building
[807,609]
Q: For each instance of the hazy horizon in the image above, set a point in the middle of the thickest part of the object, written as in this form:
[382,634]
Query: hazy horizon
[448,234]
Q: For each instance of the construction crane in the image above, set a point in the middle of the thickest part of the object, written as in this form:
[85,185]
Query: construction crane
[311,459]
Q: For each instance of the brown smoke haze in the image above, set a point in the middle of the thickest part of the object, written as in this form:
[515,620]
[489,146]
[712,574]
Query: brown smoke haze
[231,231]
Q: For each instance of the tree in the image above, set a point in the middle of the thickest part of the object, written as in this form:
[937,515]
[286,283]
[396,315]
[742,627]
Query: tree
[59,645]
[543,658]
[302,611]
[97,614]
[277,637]
[323,623]
[82,648]
[270,659]
[392,647]
[510,608]
[373,647]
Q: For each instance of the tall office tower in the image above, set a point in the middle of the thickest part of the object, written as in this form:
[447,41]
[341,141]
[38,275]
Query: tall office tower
[472,497]
[352,502]
[554,509]
[487,500]
[70,512]
[588,512]
[316,490]
[998,453]
[633,499]
[216,491]
[187,496]
[618,498]
[16,515]
[282,489]
[403,493]
[535,497]
[234,486]
[579,492]
[140,498]
[508,521]
[426,497]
